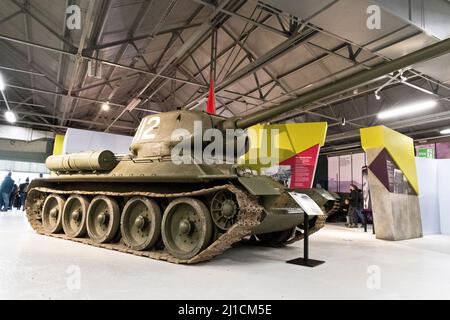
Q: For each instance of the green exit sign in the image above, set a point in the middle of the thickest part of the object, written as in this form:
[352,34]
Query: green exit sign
[426,153]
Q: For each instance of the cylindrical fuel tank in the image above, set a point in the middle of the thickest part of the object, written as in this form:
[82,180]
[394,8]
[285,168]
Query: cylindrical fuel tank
[103,160]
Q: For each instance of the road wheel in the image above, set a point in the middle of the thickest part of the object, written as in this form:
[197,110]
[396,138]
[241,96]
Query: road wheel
[186,227]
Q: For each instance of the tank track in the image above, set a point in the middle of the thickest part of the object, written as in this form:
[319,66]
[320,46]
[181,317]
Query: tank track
[334,209]
[249,217]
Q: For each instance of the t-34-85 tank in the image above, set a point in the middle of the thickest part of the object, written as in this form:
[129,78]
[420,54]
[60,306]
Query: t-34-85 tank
[146,204]
[154,204]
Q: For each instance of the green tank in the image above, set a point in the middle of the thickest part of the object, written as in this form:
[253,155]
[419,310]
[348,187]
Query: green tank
[147,204]
[144,203]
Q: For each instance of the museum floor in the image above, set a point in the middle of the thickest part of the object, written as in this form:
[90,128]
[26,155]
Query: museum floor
[37,267]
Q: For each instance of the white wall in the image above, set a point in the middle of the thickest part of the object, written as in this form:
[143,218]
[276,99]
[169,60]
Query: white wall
[428,195]
[434,195]
[443,171]
[23,134]
[77,140]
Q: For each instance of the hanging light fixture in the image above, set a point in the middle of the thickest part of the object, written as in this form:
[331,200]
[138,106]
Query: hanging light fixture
[9,115]
[408,109]
[105,106]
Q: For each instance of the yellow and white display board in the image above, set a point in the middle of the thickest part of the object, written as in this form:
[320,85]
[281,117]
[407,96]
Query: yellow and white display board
[393,183]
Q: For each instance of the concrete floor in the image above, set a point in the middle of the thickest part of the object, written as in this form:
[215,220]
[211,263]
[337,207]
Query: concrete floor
[357,267]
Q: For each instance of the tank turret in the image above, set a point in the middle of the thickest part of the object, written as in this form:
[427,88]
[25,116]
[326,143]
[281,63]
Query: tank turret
[158,134]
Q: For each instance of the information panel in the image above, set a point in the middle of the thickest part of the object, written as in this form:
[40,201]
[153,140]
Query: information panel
[307,204]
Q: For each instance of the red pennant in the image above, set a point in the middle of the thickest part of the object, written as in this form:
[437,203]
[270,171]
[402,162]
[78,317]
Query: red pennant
[211,105]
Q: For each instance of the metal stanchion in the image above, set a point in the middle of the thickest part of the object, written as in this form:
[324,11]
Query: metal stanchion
[365,220]
[305,261]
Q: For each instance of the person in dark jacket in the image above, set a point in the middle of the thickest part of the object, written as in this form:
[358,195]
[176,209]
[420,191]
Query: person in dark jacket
[345,207]
[5,189]
[23,189]
[355,206]
[14,197]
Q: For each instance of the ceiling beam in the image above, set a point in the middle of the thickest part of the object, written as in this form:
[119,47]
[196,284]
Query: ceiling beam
[288,45]
[12,15]
[25,9]
[106,62]
[132,39]
[183,50]
[25,103]
[400,124]
[86,29]
[22,71]
[33,66]
[241,17]
[137,23]
[242,37]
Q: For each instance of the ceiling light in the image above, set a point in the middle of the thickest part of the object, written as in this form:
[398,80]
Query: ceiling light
[377,96]
[2,83]
[105,106]
[406,110]
[133,103]
[10,116]
[445,131]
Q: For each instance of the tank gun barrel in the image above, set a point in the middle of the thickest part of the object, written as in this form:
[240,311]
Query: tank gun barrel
[346,83]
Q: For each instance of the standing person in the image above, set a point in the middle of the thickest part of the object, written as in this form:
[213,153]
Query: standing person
[5,189]
[355,206]
[345,211]
[14,197]
[360,212]
[23,189]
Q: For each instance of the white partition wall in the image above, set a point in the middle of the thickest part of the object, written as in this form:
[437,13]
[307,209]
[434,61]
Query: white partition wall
[434,189]
[428,195]
[77,140]
[443,170]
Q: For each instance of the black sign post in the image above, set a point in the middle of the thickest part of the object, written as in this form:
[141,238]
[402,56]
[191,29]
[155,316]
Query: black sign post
[306,261]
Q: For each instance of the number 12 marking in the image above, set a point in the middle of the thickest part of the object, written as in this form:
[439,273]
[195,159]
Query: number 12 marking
[146,130]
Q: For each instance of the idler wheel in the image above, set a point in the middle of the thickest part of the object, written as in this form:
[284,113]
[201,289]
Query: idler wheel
[74,216]
[140,223]
[52,213]
[186,227]
[103,218]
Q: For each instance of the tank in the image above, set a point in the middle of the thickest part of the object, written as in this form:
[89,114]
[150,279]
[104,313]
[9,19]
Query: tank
[144,203]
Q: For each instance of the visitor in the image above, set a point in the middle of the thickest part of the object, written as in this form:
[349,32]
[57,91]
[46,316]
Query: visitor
[23,189]
[345,211]
[362,216]
[355,206]
[5,189]
[360,209]
[14,197]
